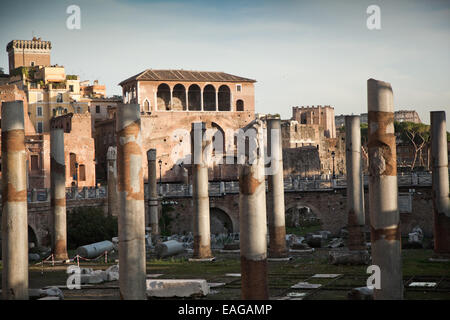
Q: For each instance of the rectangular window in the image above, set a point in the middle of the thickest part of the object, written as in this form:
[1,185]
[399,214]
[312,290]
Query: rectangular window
[40,128]
[71,88]
[59,98]
[238,88]
[97,109]
[82,172]
[39,111]
[34,162]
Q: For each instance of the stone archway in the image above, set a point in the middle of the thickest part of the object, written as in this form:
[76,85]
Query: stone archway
[220,221]
[32,236]
[302,215]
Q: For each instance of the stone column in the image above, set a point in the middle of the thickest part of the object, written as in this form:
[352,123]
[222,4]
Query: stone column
[201,99]
[130,189]
[252,220]
[187,99]
[383,192]
[275,201]
[202,236]
[217,99]
[152,192]
[113,205]
[441,203]
[58,191]
[355,185]
[14,203]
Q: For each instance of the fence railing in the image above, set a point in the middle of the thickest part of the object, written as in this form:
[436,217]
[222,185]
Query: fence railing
[217,188]
[291,184]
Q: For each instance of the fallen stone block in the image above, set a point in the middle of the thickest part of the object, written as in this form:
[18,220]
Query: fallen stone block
[166,288]
[169,248]
[95,249]
[336,243]
[423,284]
[325,275]
[324,234]
[306,285]
[91,278]
[114,268]
[34,257]
[349,257]
[53,292]
[361,293]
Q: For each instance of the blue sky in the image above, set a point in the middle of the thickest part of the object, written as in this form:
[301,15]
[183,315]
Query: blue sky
[300,52]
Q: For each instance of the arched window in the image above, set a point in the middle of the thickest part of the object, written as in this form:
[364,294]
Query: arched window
[146,106]
[179,98]
[163,97]
[194,98]
[239,105]
[209,98]
[224,98]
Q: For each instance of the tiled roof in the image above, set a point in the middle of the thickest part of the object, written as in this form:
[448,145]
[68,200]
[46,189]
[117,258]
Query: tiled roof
[185,75]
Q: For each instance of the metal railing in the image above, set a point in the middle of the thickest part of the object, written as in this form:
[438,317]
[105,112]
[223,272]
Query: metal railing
[217,188]
[291,184]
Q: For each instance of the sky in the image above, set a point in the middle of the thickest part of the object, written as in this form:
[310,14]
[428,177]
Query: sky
[300,52]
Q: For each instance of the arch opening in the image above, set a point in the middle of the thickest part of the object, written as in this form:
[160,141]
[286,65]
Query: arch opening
[239,105]
[209,98]
[146,106]
[32,238]
[179,98]
[163,97]
[303,217]
[224,98]
[220,222]
[194,98]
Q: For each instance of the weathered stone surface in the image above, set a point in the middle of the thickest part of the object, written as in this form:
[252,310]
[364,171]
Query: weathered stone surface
[306,285]
[52,293]
[177,288]
[349,257]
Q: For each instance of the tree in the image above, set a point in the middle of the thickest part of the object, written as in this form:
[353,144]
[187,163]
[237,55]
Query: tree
[89,225]
[418,134]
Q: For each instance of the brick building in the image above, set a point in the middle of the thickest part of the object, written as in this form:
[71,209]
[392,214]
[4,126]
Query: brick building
[313,127]
[170,100]
[47,92]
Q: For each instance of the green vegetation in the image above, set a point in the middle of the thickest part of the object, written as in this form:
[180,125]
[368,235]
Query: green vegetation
[71,77]
[26,72]
[89,225]
[302,231]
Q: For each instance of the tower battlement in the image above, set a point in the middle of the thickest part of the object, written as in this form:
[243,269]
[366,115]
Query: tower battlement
[28,53]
